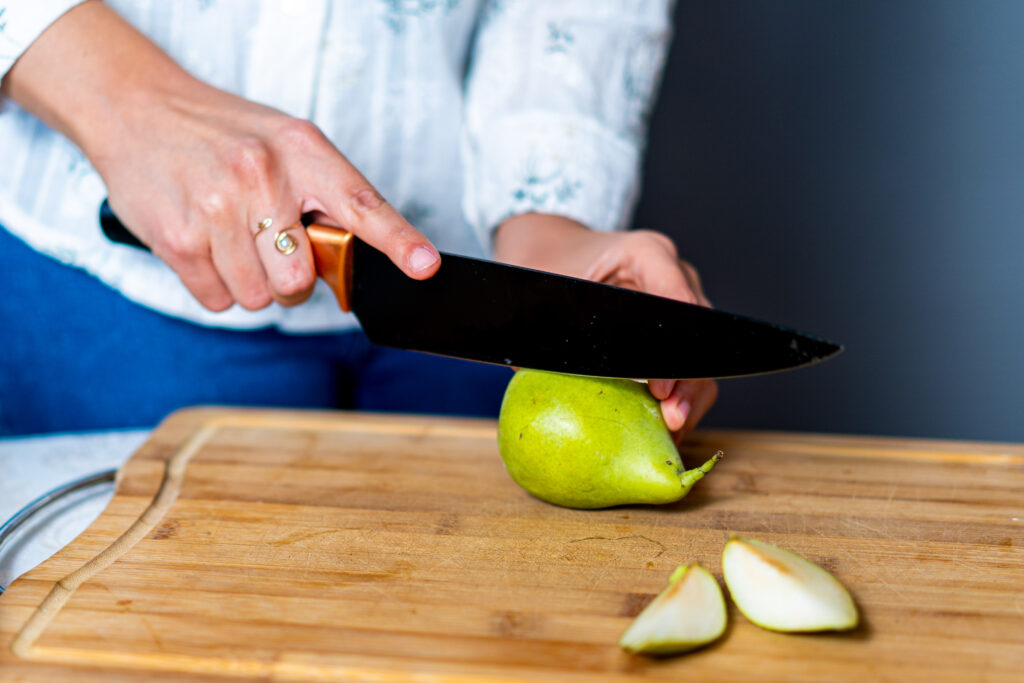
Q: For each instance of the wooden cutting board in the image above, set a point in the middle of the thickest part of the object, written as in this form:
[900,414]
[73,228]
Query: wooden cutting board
[292,546]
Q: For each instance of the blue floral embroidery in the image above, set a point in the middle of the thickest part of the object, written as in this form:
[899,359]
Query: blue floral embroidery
[536,190]
[566,190]
[559,38]
[3,22]
[399,11]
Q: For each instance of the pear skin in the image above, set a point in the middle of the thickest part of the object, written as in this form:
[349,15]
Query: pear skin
[587,442]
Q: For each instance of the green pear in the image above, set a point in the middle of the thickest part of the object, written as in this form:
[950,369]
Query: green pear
[782,591]
[686,615]
[587,442]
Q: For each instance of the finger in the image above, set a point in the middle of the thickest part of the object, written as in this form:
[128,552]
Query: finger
[235,258]
[700,405]
[202,280]
[694,283]
[270,245]
[688,402]
[287,257]
[339,190]
[243,242]
[676,407]
[607,268]
[661,388]
[650,260]
[188,254]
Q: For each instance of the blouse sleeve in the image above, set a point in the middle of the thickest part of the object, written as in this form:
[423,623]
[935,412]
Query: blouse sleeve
[22,21]
[555,112]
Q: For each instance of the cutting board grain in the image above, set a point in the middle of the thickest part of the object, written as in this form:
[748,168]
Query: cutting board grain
[293,546]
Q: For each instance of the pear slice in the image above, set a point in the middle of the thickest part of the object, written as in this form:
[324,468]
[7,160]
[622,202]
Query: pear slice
[782,591]
[687,614]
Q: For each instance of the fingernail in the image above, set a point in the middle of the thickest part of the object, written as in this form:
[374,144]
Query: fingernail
[683,410]
[421,259]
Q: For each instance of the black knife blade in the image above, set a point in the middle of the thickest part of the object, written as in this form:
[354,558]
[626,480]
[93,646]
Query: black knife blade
[503,314]
[496,313]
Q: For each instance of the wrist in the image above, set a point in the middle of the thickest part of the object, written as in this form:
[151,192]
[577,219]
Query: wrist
[548,242]
[152,106]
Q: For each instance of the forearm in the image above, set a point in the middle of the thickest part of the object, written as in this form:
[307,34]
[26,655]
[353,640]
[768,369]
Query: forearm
[87,69]
[548,242]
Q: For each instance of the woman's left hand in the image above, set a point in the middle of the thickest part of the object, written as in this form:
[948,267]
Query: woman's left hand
[642,259]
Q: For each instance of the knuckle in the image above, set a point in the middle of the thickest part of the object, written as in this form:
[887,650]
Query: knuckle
[300,133]
[366,199]
[213,203]
[250,160]
[652,238]
[183,243]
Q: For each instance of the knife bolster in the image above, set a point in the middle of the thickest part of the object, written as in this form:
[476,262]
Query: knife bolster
[332,252]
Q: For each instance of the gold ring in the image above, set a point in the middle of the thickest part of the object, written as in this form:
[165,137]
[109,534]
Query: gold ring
[262,225]
[285,243]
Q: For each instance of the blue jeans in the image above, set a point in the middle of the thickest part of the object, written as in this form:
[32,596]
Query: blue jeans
[76,355]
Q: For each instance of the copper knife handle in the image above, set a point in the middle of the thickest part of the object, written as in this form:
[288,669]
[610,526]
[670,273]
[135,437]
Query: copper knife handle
[332,253]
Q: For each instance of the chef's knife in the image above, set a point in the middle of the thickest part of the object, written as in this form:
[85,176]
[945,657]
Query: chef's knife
[497,313]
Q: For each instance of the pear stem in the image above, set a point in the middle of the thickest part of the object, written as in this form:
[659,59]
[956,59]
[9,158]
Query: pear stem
[691,477]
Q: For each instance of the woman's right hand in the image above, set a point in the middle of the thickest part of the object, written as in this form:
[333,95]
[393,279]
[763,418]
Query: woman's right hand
[192,170]
[194,177]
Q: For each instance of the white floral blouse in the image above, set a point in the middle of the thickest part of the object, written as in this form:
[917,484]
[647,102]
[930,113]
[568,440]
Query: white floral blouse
[461,112]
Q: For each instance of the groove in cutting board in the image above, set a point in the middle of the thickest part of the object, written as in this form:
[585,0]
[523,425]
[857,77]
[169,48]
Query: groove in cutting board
[174,475]
[170,486]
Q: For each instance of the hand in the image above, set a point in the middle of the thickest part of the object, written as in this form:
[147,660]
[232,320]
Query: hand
[194,180]
[643,260]
[192,170]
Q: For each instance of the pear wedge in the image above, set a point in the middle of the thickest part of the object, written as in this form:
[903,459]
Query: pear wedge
[781,591]
[686,615]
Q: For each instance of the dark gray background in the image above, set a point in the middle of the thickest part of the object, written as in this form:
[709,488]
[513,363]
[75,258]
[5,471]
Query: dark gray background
[855,169]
